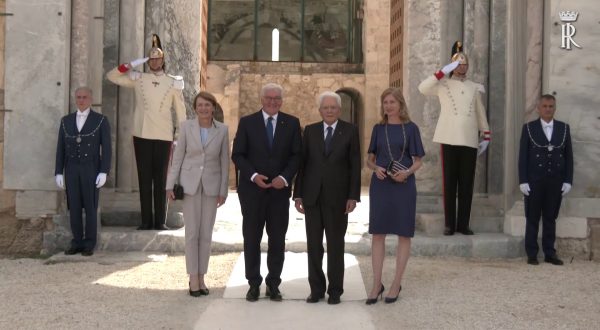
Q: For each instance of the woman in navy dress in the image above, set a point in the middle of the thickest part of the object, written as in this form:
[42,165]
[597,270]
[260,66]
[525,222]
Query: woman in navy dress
[393,193]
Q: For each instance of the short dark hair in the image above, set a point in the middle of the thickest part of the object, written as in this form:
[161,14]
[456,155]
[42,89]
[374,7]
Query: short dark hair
[548,97]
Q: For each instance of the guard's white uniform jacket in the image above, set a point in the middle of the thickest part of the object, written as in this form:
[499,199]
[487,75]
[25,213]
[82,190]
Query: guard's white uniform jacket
[155,94]
[462,113]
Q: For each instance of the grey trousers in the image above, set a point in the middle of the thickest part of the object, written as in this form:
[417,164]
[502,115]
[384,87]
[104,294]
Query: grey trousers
[199,212]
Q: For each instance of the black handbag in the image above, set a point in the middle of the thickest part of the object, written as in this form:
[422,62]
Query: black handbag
[178,191]
[395,165]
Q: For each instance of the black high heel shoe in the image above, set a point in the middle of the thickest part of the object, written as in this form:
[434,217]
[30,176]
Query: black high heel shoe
[196,293]
[389,300]
[371,301]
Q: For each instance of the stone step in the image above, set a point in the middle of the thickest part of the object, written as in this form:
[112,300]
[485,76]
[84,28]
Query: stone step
[432,224]
[487,245]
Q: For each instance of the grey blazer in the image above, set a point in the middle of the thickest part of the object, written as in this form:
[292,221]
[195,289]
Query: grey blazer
[194,164]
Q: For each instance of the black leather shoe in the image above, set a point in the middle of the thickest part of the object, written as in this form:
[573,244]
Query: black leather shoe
[194,293]
[314,298]
[203,292]
[273,293]
[87,253]
[333,300]
[466,231]
[144,227]
[161,227]
[253,293]
[554,260]
[72,251]
[532,261]
[448,232]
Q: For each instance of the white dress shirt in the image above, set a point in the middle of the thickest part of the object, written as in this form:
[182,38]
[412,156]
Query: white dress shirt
[81,118]
[334,125]
[548,127]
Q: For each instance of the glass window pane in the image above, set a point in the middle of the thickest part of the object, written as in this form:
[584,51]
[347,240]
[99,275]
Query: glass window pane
[326,30]
[231,30]
[286,17]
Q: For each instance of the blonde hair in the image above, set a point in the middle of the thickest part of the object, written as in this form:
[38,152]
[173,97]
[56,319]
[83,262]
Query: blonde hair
[397,94]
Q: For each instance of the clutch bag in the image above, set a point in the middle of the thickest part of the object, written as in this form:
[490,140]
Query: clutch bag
[178,191]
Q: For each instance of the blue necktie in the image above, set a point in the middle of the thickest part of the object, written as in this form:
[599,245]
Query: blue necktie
[270,132]
[328,139]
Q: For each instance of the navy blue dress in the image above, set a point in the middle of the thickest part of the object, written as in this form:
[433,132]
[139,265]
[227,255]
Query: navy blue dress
[392,205]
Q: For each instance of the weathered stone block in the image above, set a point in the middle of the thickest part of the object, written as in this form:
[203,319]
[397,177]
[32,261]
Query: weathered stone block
[9,227]
[36,204]
[28,239]
[572,227]
[431,224]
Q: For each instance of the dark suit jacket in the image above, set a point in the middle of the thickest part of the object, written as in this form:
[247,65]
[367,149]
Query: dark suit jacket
[536,163]
[332,178]
[251,153]
[94,149]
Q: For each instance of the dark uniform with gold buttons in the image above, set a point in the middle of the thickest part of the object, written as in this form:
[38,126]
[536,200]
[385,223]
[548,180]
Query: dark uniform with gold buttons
[545,166]
[82,155]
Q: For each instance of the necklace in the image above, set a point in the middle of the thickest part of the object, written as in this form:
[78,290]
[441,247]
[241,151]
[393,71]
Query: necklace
[549,146]
[79,136]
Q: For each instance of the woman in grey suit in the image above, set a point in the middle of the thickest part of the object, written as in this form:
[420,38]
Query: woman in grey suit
[201,165]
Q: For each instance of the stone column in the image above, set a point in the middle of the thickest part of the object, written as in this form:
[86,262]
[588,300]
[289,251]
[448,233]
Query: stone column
[533,74]
[80,19]
[425,39]
[497,99]
[110,91]
[177,23]
[476,42]
[131,46]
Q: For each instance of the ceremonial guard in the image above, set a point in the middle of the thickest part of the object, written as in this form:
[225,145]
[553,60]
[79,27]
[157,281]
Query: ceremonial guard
[545,176]
[156,93]
[82,163]
[461,123]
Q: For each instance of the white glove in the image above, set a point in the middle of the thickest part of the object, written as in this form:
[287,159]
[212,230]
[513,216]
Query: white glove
[525,188]
[60,181]
[139,61]
[100,180]
[482,147]
[450,67]
[566,188]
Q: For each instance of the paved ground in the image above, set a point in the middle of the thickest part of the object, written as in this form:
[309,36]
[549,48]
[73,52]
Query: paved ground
[135,290]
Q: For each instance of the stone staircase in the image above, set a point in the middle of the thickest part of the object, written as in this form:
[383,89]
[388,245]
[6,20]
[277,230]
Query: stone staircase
[120,217]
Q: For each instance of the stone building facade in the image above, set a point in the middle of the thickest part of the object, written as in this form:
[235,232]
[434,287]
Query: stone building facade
[50,47]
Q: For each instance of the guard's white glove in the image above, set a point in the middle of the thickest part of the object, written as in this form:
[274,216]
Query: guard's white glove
[139,61]
[482,147]
[450,67]
[60,181]
[100,180]
[525,188]
[566,188]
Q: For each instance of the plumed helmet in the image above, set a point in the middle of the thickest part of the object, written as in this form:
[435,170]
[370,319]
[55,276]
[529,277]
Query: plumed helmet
[156,50]
[458,54]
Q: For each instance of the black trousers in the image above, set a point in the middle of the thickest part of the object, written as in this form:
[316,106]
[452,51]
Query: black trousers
[152,158]
[82,194]
[458,166]
[543,201]
[331,219]
[268,208]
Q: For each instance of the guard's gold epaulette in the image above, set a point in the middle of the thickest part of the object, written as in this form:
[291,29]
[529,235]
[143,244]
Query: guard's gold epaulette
[177,81]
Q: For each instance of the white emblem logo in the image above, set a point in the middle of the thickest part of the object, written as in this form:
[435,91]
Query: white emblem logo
[567,29]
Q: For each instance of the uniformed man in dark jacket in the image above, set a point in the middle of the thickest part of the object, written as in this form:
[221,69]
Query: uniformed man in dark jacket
[83,154]
[545,176]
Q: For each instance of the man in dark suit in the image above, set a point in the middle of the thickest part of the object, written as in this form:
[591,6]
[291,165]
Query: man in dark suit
[326,190]
[83,154]
[266,151]
[545,176]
